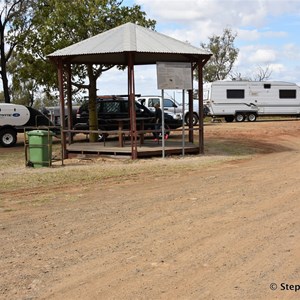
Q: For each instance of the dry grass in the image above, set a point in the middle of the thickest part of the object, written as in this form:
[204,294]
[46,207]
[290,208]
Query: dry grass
[15,175]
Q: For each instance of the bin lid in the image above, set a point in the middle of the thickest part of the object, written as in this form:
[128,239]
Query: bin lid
[40,133]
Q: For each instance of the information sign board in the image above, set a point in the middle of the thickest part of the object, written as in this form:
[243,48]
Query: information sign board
[174,75]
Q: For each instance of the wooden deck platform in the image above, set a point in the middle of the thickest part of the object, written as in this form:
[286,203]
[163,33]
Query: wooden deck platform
[147,149]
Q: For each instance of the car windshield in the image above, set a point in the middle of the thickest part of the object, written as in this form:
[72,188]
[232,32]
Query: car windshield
[168,103]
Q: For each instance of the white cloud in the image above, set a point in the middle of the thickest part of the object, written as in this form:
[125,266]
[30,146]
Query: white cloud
[255,34]
[225,12]
[248,35]
[291,51]
[263,56]
[256,55]
[274,34]
[260,43]
[196,20]
[277,69]
[199,33]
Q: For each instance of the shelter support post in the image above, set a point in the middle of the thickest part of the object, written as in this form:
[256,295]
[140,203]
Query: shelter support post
[183,122]
[132,112]
[191,109]
[62,106]
[163,124]
[69,102]
[200,65]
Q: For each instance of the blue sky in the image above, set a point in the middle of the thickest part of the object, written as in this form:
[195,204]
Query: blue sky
[267,35]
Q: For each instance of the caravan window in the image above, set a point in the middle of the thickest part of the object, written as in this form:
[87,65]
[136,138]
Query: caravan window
[235,94]
[267,85]
[287,94]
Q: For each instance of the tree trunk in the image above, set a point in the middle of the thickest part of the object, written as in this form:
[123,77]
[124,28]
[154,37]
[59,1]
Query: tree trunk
[3,68]
[5,86]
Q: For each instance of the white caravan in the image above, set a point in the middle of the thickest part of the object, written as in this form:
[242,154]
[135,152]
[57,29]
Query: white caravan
[241,100]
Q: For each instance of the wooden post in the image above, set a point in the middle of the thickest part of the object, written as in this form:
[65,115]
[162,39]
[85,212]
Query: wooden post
[200,99]
[191,108]
[191,112]
[69,102]
[62,106]
[132,112]
[200,65]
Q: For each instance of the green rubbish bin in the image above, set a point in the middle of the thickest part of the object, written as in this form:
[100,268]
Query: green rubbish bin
[40,148]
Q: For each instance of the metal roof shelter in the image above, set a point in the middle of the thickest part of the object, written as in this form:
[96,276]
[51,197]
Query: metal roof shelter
[130,45]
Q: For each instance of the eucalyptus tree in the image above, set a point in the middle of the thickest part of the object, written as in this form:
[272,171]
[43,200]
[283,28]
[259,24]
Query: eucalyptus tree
[261,73]
[15,22]
[224,55]
[59,23]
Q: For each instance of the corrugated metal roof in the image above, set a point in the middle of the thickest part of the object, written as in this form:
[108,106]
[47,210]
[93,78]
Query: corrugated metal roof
[112,45]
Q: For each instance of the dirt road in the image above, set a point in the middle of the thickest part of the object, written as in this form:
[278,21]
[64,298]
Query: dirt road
[228,230]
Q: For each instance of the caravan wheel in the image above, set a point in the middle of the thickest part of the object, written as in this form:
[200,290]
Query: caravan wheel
[252,117]
[239,117]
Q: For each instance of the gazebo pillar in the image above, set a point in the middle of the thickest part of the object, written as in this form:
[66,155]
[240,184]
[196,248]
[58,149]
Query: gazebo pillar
[200,65]
[191,109]
[132,112]
[69,102]
[60,68]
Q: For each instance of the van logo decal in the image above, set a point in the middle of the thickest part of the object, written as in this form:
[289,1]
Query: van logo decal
[16,115]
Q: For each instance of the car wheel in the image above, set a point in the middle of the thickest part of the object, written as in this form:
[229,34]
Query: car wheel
[240,117]
[229,119]
[252,117]
[8,137]
[195,119]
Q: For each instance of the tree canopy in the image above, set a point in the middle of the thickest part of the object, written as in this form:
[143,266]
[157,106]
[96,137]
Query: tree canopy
[59,23]
[224,55]
[15,22]
[260,74]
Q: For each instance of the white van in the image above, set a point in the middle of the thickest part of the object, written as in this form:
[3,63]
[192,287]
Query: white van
[241,100]
[15,118]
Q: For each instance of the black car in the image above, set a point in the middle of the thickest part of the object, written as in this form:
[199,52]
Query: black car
[112,109]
